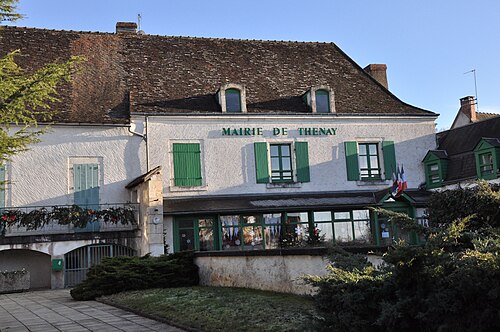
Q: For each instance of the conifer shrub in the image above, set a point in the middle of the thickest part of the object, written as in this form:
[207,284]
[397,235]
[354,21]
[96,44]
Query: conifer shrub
[452,283]
[118,274]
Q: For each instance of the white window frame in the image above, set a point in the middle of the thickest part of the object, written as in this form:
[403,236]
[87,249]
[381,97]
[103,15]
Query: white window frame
[221,96]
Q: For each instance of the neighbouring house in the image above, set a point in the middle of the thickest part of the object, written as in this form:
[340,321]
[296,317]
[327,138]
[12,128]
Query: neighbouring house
[465,153]
[245,151]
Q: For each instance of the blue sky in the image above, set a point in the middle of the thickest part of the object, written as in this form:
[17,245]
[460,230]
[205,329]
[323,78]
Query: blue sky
[427,45]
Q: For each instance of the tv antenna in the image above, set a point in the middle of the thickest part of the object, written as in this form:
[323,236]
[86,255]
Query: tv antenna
[475,86]
[139,22]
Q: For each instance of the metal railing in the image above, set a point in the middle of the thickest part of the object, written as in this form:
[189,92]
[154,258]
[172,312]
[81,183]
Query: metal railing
[102,218]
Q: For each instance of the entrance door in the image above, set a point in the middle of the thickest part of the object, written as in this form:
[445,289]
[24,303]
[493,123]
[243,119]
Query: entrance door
[185,234]
[86,183]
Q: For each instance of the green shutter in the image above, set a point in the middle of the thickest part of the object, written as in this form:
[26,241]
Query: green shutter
[187,164]
[2,186]
[389,158]
[302,158]
[261,167]
[351,158]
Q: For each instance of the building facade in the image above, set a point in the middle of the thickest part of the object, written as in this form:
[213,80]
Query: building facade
[245,151]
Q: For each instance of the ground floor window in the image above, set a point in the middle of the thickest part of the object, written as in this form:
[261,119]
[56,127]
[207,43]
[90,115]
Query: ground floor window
[272,230]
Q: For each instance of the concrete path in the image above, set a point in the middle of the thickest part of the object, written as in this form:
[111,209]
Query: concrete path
[55,310]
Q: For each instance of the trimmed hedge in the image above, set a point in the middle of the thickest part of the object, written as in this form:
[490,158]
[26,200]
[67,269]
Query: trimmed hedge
[120,274]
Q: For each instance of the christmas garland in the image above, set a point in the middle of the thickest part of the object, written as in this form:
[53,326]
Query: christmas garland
[72,215]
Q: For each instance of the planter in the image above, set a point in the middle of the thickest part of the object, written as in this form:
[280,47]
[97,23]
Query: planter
[14,281]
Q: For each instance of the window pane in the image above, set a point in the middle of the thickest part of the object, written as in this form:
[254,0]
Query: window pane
[296,217]
[342,215]
[186,239]
[361,214]
[249,219]
[231,238]
[373,149]
[373,162]
[434,167]
[322,101]
[274,150]
[272,236]
[272,232]
[286,164]
[272,219]
[275,164]
[362,149]
[206,222]
[285,150]
[362,231]
[363,162]
[185,223]
[325,229]
[233,100]
[230,220]
[343,231]
[206,239]
[252,238]
[322,216]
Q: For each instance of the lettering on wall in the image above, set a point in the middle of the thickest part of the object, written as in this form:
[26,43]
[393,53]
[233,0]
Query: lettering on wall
[281,131]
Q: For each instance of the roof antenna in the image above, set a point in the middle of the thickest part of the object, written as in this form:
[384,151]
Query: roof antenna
[475,86]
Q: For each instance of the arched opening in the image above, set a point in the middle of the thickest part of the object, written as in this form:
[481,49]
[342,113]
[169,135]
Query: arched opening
[36,263]
[233,101]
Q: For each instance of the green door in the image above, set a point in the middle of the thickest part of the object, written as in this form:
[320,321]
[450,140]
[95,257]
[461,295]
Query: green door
[86,184]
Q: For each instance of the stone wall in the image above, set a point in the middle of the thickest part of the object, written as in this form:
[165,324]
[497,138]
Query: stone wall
[275,273]
[14,281]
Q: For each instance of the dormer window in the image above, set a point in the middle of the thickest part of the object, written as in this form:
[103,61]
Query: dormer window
[320,99]
[233,101]
[232,98]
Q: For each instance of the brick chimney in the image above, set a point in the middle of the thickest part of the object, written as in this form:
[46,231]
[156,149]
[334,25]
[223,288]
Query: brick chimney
[126,27]
[378,72]
[468,107]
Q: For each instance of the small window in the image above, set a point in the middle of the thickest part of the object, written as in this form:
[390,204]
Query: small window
[233,101]
[368,161]
[322,101]
[281,163]
[486,164]
[433,173]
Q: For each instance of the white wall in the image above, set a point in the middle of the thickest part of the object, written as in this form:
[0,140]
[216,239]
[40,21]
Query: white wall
[228,163]
[42,176]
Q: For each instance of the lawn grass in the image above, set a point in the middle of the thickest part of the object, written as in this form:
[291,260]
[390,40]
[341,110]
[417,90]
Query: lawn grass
[222,308]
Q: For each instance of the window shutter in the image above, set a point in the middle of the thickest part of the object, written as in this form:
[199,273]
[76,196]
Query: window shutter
[86,185]
[302,158]
[187,164]
[2,186]
[351,158]
[261,167]
[389,158]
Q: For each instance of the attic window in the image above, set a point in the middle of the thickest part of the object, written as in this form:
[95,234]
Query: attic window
[233,101]
[232,98]
[320,99]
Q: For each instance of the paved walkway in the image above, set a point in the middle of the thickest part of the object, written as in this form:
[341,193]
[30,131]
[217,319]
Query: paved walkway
[55,310]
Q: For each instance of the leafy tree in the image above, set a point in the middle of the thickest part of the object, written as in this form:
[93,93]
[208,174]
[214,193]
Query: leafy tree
[452,283]
[25,97]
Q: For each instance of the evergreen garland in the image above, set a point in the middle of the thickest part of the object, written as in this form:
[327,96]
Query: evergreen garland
[63,215]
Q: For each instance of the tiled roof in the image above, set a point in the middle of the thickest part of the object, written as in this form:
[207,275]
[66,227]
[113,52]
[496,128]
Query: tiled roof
[171,75]
[459,143]
[480,116]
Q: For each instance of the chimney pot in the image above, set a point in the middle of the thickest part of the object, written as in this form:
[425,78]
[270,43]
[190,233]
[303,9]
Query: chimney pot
[126,27]
[468,107]
[378,72]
